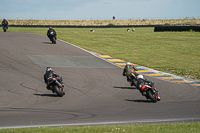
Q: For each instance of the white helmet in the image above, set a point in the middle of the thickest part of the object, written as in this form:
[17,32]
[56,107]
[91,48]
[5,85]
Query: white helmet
[48,69]
[128,63]
[140,77]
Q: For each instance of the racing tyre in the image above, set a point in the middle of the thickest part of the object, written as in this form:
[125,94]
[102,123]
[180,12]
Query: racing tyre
[54,40]
[134,82]
[4,29]
[58,91]
[152,96]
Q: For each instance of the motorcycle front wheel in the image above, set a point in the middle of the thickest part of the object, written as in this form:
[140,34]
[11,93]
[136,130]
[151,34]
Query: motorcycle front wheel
[58,91]
[54,40]
[4,30]
[151,95]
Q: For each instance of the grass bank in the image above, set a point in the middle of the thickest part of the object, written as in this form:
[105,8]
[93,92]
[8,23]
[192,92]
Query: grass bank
[172,52]
[103,22]
[136,128]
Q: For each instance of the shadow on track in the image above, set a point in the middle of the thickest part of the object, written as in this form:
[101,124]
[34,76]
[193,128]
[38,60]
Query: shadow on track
[47,95]
[47,42]
[139,101]
[125,87]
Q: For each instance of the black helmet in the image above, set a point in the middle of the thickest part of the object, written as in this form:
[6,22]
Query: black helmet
[48,69]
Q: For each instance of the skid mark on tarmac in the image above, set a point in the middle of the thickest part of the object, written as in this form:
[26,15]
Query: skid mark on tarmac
[153,73]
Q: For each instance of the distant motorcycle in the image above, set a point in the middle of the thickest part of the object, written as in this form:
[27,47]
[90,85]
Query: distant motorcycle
[52,37]
[57,86]
[151,92]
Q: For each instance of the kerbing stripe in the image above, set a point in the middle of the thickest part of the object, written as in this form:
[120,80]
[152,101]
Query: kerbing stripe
[151,72]
[115,60]
[196,85]
[142,71]
[155,74]
[166,77]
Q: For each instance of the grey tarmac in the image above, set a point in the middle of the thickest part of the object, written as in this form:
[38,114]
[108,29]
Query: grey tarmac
[96,91]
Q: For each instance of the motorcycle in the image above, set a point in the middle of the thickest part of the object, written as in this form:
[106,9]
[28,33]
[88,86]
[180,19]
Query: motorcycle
[52,37]
[151,92]
[5,27]
[57,86]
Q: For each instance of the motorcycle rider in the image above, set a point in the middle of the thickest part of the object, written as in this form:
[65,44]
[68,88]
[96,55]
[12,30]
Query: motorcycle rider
[51,30]
[128,69]
[141,82]
[48,76]
[5,23]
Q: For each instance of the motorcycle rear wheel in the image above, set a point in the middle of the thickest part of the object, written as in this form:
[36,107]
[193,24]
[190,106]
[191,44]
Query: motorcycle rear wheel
[134,82]
[151,95]
[58,91]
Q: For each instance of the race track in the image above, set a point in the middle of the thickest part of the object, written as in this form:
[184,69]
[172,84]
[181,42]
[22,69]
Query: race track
[96,91]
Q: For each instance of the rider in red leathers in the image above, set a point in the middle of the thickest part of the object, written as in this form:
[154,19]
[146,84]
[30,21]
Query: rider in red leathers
[128,69]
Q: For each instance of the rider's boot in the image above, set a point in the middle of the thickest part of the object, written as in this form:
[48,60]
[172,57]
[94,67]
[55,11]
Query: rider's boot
[131,83]
[48,87]
[158,99]
[144,94]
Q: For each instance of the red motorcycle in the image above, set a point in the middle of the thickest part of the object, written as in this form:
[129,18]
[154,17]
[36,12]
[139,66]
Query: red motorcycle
[151,92]
[57,86]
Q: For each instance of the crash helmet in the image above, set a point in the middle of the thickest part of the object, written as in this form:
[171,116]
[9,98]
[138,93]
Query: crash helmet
[140,77]
[48,69]
[4,19]
[128,63]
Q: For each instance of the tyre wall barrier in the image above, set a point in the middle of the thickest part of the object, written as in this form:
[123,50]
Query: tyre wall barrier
[176,28]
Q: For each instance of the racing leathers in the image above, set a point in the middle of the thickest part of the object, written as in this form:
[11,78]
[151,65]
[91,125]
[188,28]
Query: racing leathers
[128,69]
[141,82]
[49,32]
[48,76]
[5,23]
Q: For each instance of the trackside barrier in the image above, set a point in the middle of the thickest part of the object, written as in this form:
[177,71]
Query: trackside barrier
[176,28]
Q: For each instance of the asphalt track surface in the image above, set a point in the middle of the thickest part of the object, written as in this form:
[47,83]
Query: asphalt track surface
[96,91]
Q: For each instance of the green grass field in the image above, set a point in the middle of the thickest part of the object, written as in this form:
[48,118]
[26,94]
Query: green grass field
[173,52]
[136,128]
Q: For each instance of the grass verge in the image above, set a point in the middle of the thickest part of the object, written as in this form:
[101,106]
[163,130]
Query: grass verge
[172,52]
[136,128]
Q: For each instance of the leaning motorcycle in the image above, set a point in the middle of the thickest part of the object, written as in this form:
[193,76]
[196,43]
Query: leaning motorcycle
[57,86]
[52,37]
[151,92]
